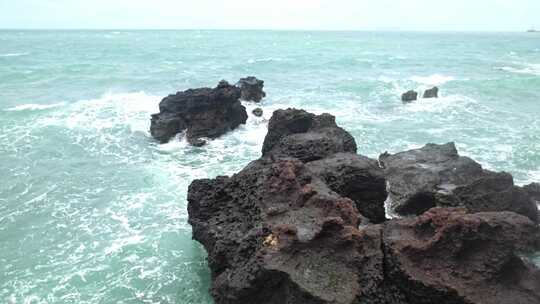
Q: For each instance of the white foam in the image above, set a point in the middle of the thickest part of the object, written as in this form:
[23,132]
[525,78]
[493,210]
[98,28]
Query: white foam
[14,54]
[270,59]
[35,107]
[435,79]
[530,69]
[439,105]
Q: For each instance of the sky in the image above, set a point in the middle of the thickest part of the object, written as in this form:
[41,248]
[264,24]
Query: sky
[413,15]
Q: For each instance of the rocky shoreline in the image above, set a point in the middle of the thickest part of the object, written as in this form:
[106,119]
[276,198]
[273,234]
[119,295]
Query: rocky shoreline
[306,223]
[311,221]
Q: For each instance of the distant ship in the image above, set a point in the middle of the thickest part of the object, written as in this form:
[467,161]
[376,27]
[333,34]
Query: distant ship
[532,30]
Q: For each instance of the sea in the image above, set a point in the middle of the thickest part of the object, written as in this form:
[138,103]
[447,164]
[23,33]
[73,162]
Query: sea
[93,210]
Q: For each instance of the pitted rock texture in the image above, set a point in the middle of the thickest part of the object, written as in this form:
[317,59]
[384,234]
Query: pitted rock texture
[311,229]
[358,178]
[201,113]
[436,175]
[305,136]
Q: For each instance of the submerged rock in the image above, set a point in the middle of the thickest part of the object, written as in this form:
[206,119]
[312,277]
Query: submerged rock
[308,137]
[436,175]
[409,96]
[295,226]
[432,93]
[258,112]
[251,89]
[203,112]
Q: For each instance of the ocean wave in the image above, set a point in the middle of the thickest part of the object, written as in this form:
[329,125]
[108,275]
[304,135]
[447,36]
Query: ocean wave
[530,69]
[270,59]
[35,107]
[435,79]
[14,54]
[441,104]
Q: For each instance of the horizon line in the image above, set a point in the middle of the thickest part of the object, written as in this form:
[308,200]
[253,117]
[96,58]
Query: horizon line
[263,29]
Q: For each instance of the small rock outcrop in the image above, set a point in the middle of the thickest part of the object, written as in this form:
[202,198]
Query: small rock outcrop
[436,176]
[432,93]
[257,112]
[306,225]
[201,113]
[305,136]
[409,96]
[251,89]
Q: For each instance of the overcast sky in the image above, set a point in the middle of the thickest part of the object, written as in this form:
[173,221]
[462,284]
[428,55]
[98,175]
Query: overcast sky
[459,15]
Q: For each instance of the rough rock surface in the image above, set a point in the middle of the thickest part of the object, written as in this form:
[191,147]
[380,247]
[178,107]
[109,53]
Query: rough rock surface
[432,93]
[436,175]
[534,191]
[305,136]
[201,113]
[409,96]
[358,178]
[251,89]
[299,231]
[275,233]
[449,256]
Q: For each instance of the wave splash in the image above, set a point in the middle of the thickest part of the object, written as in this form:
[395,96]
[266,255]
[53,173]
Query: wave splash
[435,79]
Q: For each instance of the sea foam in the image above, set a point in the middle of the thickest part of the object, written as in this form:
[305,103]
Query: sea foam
[14,54]
[435,79]
[35,107]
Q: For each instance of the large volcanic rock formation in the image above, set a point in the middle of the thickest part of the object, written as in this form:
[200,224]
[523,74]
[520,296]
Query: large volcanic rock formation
[201,113]
[436,175]
[303,224]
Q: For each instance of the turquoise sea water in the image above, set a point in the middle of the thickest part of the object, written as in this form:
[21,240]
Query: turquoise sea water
[92,210]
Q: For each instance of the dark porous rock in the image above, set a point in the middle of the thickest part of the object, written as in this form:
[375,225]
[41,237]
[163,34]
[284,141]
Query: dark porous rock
[258,112]
[409,96]
[358,178]
[203,112]
[533,190]
[436,175]
[251,89]
[432,93]
[448,256]
[275,233]
[305,136]
[312,230]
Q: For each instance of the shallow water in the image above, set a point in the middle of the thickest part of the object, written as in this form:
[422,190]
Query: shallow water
[92,210]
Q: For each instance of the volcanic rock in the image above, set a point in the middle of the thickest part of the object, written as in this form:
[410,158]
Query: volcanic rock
[202,112]
[409,96]
[251,89]
[533,190]
[436,175]
[299,230]
[432,93]
[358,178]
[448,256]
[305,136]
